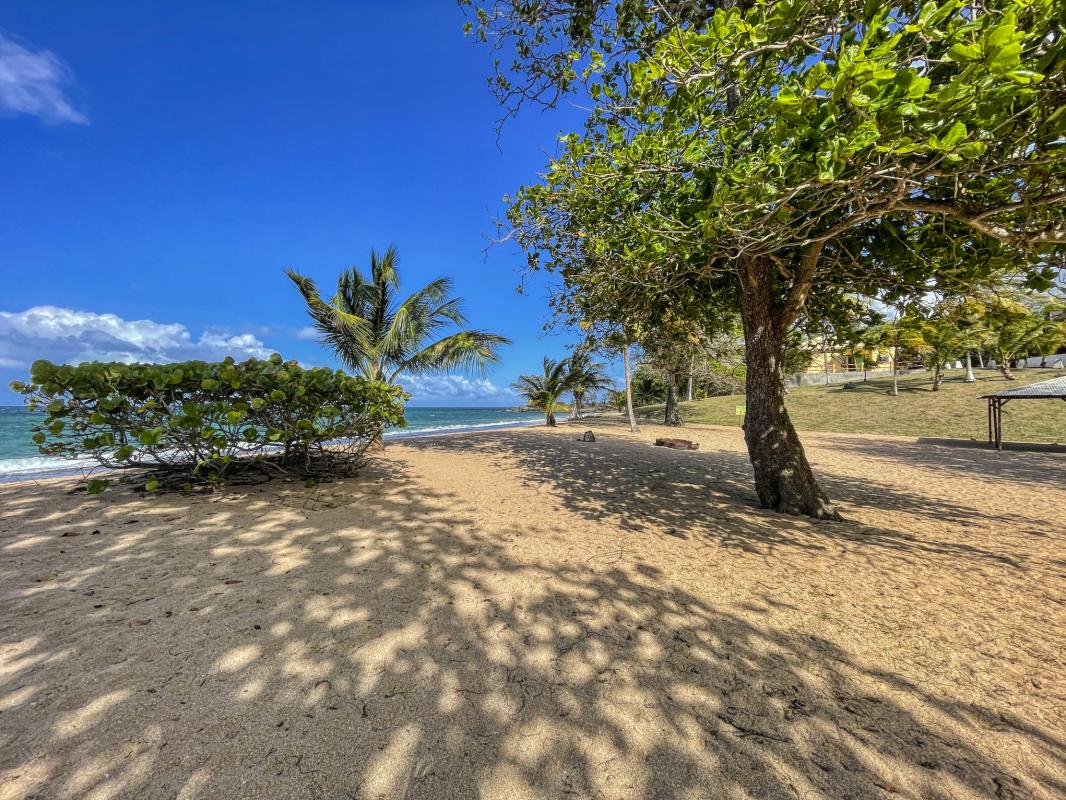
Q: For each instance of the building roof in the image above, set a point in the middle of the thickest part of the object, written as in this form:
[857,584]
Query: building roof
[1055,388]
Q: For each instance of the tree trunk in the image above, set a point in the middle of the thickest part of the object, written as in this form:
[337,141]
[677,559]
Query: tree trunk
[577,405]
[937,378]
[980,359]
[825,358]
[673,414]
[1004,368]
[691,378]
[549,419]
[783,477]
[969,369]
[629,393]
[895,369]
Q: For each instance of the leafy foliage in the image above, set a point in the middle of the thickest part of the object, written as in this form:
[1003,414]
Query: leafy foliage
[196,422]
[379,335]
[776,158]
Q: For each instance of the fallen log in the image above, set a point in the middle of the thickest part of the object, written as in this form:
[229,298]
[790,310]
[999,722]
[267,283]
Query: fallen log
[677,444]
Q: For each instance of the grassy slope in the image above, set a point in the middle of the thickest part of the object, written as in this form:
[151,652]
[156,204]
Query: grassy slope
[955,411]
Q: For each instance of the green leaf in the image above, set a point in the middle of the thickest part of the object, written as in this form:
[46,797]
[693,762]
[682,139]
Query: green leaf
[1025,76]
[97,485]
[788,97]
[964,52]
[956,133]
[1006,59]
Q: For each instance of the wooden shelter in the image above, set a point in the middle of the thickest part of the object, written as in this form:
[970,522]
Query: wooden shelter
[1054,389]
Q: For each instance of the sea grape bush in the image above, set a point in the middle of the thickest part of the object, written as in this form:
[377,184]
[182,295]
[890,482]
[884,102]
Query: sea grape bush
[203,422]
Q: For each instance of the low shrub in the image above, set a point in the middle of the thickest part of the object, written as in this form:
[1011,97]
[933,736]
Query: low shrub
[198,422]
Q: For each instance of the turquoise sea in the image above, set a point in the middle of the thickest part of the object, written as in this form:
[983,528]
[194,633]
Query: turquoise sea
[19,458]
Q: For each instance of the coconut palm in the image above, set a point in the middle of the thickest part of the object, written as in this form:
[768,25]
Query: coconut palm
[586,376]
[543,391]
[1015,329]
[379,335]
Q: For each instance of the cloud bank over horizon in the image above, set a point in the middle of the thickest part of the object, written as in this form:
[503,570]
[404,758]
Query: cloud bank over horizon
[67,335]
[71,336]
[453,387]
[34,83]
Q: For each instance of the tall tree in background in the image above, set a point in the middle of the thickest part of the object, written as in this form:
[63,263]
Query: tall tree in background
[762,155]
[380,335]
[586,376]
[545,391]
[1017,328]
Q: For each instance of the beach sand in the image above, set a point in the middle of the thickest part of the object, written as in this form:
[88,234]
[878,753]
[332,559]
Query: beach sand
[519,614]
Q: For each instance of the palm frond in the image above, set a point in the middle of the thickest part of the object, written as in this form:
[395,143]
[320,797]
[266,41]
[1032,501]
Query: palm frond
[346,334]
[470,351]
[371,333]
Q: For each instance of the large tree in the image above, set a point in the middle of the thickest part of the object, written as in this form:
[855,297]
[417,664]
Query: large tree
[775,157]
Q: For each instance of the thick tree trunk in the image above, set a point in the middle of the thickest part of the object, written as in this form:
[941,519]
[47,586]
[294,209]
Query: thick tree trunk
[937,379]
[783,477]
[969,369]
[673,413]
[549,419]
[629,393]
[577,406]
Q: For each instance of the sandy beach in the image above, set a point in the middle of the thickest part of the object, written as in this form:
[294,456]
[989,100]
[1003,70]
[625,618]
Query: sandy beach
[518,614]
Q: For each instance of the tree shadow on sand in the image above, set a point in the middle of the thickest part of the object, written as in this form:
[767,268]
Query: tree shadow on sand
[709,494]
[964,458]
[376,641]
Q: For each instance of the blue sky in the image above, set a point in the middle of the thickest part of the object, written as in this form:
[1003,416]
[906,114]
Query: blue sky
[161,164]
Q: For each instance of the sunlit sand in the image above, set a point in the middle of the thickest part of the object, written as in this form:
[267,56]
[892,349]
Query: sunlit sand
[520,614]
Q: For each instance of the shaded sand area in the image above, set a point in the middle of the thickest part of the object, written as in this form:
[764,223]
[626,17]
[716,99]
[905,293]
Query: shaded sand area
[521,615]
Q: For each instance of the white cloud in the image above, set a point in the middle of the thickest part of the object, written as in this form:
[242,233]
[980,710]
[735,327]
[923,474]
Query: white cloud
[308,333]
[69,336]
[32,82]
[452,387]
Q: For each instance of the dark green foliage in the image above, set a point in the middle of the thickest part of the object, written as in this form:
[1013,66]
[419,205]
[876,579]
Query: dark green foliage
[196,422]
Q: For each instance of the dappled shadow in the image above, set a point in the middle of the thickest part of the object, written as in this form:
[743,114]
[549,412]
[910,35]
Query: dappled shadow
[912,382]
[709,493]
[1040,464]
[378,638]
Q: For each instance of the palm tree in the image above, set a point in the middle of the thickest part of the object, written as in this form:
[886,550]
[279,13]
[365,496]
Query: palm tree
[1015,330]
[543,391]
[585,376]
[375,333]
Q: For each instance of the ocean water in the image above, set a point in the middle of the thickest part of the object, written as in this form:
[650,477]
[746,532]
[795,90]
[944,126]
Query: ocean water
[19,458]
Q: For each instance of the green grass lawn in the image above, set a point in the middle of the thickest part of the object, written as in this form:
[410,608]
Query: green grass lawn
[954,412]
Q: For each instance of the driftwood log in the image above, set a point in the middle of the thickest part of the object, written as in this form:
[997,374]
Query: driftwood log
[677,444]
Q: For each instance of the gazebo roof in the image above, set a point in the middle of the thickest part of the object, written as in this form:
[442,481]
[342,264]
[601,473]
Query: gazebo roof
[1054,388]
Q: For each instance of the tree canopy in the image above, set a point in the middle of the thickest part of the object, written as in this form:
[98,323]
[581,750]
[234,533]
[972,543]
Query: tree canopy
[780,157]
